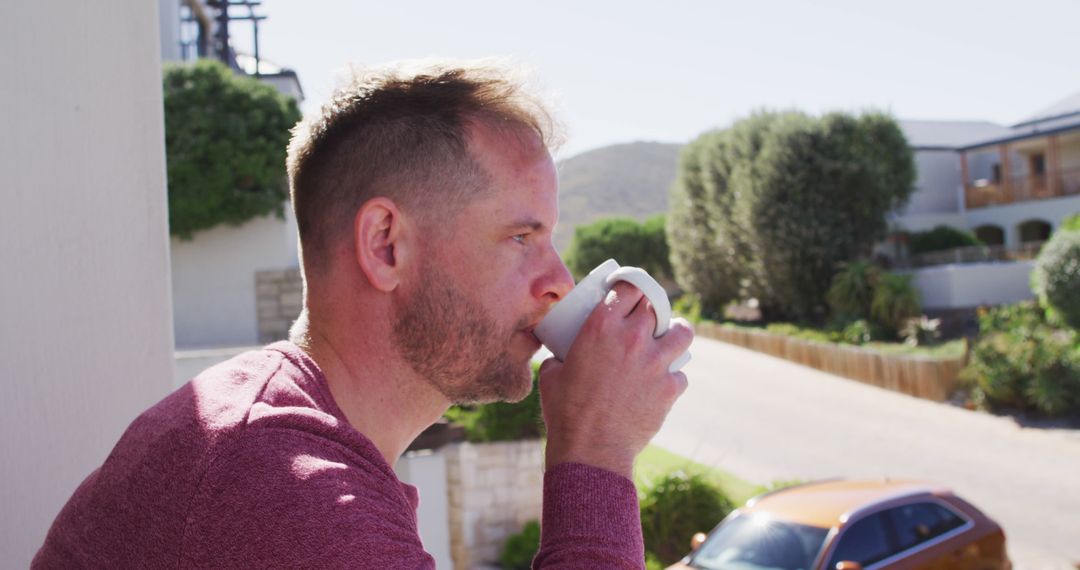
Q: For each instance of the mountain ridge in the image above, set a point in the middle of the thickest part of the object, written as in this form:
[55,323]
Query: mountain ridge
[626,179]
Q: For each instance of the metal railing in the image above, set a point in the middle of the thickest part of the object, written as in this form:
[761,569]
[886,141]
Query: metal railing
[1024,188]
[972,254]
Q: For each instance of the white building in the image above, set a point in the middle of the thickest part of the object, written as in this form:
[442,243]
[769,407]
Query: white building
[1010,186]
[213,275]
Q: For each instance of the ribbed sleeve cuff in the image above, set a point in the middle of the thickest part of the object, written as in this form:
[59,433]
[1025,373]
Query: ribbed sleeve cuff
[584,502]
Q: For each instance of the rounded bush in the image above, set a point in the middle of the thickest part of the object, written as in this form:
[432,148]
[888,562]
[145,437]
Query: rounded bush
[1056,278]
[502,421]
[674,508]
[225,141]
[941,238]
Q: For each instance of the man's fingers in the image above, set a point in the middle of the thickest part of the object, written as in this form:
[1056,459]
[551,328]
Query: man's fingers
[623,298]
[678,337]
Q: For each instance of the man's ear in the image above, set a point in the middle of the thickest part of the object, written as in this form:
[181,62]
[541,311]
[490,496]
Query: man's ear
[380,250]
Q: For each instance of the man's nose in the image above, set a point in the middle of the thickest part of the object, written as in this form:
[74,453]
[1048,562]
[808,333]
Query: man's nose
[556,282]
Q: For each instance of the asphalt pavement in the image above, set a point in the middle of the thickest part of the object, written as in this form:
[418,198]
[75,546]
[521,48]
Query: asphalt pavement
[765,419]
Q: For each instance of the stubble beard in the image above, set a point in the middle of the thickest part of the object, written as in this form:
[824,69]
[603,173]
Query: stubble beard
[453,343]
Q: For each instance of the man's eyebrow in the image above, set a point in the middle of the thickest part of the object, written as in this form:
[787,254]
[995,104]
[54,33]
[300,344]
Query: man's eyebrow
[531,223]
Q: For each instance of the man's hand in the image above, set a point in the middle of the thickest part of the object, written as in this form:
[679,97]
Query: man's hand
[610,397]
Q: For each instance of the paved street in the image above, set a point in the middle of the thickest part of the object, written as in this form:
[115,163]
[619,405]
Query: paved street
[765,419]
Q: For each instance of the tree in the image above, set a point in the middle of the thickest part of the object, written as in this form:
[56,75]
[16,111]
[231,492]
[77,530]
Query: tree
[225,141]
[641,245]
[775,202]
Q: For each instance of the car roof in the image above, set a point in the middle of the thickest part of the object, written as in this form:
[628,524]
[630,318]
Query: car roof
[829,503]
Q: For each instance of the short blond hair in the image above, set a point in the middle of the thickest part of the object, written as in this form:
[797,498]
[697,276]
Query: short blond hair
[401,131]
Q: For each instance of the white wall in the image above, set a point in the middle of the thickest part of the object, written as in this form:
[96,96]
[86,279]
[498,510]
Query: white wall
[924,222]
[213,279]
[936,183]
[86,336]
[189,363]
[426,471]
[973,284]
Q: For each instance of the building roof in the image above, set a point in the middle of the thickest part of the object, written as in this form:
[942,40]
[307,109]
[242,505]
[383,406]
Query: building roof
[1069,106]
[941,135]
[823,504]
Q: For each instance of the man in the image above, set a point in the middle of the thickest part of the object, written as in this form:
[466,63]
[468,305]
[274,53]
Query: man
[425,200]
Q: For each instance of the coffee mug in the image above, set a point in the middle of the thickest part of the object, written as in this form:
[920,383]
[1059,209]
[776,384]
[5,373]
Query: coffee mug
[561,325]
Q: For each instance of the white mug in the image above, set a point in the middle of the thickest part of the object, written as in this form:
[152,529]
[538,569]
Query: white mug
[561,325]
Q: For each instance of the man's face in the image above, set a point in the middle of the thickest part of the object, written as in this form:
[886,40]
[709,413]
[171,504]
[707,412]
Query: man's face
[488,280]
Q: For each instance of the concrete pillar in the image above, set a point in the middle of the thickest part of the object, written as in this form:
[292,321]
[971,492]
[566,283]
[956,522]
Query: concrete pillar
[86,331]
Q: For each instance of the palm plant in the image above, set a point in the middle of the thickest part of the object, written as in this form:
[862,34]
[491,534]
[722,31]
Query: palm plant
[895,301]
[852,290]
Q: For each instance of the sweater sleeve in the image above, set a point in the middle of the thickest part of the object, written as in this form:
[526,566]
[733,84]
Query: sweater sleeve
[590,520]
[285,499]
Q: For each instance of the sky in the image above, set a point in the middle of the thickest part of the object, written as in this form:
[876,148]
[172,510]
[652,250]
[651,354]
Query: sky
[624,71]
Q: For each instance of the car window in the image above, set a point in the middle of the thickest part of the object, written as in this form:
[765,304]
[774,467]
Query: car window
[758,542]
[919,522]
[865,542]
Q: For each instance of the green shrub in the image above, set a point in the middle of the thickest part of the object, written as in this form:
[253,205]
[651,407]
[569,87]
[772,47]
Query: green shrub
[895,301]
[1020,360]
[225,141]
[502,421]
[1072,223]
[653,563]
[852,289]
[858,332]
[1056,278]
[941,238]
[689,307]
[674,508]
[641,245]
[519,550]
[1054,388]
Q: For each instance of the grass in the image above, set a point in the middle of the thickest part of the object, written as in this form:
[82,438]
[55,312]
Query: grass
[945,350]
[656,461]
[948,349]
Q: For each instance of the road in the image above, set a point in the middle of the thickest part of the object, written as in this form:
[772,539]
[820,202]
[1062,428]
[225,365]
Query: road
[766,419]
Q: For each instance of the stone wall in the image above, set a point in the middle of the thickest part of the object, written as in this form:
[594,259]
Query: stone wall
[494,489]
[278,299]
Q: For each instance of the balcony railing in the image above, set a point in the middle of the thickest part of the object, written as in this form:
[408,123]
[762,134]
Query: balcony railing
[972,254]
[985,193]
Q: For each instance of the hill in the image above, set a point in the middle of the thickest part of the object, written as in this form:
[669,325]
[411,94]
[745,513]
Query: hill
[619,180]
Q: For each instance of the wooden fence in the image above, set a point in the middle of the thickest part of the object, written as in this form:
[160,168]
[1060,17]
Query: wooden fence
[929,378]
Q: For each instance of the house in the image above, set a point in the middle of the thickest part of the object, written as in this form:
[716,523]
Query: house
[1019,186]
[1007,185]
[1010,186]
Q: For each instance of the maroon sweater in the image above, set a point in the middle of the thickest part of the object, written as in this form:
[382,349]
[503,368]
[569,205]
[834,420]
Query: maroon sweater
[252,464]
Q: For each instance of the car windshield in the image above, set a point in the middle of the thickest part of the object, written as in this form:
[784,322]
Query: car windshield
[758,542]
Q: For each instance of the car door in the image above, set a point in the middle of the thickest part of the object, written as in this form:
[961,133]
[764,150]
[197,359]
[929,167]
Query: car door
[867,541]
[931,536]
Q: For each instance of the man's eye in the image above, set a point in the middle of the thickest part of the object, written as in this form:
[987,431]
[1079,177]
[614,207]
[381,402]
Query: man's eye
[520,238]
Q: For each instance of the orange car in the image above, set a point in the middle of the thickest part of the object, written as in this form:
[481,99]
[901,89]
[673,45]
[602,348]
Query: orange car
[852,525]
